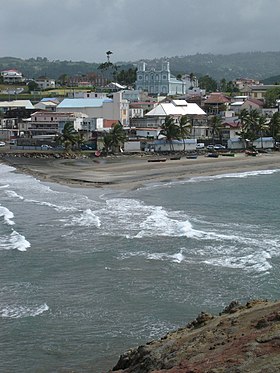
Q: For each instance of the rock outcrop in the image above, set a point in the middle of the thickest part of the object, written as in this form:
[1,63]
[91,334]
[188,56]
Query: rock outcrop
[241,339]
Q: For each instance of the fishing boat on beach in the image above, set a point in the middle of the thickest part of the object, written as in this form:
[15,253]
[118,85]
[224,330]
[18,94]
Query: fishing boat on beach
[191,156]
[157,160]
[252,153]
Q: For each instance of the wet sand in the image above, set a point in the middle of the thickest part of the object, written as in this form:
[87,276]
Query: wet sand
[131,172]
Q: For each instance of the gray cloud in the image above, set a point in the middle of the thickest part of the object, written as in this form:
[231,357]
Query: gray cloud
[134,29]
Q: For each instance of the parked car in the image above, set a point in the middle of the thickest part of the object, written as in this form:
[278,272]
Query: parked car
[2,143]
[216,147]
[46,147]
[86,147]
[200,145]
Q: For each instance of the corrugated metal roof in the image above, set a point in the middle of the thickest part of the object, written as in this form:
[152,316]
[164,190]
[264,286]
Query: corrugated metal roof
[165,109]
[83,102]
[17,103]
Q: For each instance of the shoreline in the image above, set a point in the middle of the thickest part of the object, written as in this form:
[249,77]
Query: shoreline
[130,172]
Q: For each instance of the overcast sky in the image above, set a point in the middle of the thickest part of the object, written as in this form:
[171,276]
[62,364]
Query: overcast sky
[134,29]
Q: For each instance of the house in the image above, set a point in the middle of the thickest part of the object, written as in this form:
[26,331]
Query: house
[45,83]
[252,104]
[44,123]
[190,81]
[256,91]
[176,108]
[16,108]
[12,76]
[115,108]
[158,81]
[216,103]
[243,82]
[48,104]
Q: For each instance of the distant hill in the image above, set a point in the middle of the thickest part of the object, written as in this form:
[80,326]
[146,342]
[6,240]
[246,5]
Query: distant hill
[272,80]
[257,65]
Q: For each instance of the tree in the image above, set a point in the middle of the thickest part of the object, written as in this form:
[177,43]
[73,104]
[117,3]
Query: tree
[63,79]
[274,126]
[115,138]
[69,136]
[32,86]
[107,142]
[207,83]
[216,124]
[108,53]
[127,77]
[271,96]
[170,130]
[253,125]
[118,135]
[223,85]
[192,79]
[185,128]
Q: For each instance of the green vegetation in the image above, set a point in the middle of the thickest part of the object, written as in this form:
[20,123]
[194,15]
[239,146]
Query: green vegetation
[114,139]
[255,125]
[272,95]
[173,131]
[259,65]
[69,137]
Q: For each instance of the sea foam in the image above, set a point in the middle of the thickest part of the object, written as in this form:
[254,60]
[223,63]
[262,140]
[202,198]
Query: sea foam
[7,215]
[86,218]
[14,241]
[16,311]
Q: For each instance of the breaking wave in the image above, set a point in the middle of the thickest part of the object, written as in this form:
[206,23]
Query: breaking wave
[16,312]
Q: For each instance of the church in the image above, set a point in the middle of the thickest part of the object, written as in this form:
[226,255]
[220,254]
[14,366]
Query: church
[160,82]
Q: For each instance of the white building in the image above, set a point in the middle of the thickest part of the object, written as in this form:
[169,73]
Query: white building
[11,76]
[115,109]
[45,83]
[159,81]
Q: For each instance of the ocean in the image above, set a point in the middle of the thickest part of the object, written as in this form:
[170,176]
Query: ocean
[87,274]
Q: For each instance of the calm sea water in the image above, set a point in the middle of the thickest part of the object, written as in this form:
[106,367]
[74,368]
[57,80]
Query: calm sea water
[88,273]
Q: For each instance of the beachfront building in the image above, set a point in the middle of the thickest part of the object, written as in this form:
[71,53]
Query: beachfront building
[114,109]
[44,123]
[159,82]
[176,109]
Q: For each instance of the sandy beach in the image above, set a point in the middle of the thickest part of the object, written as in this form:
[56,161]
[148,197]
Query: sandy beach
[133,171]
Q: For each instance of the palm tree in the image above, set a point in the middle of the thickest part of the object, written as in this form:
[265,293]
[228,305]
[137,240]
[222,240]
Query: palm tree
[69,136]
[216,124]
[253,125]
[185,128]
[115,138]
[118,135]
[170,130]
[108,53]
[262,126]
[274,126]
[107,142]
[192,79]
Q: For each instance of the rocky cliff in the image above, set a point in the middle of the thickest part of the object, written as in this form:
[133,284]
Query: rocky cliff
[241,339]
